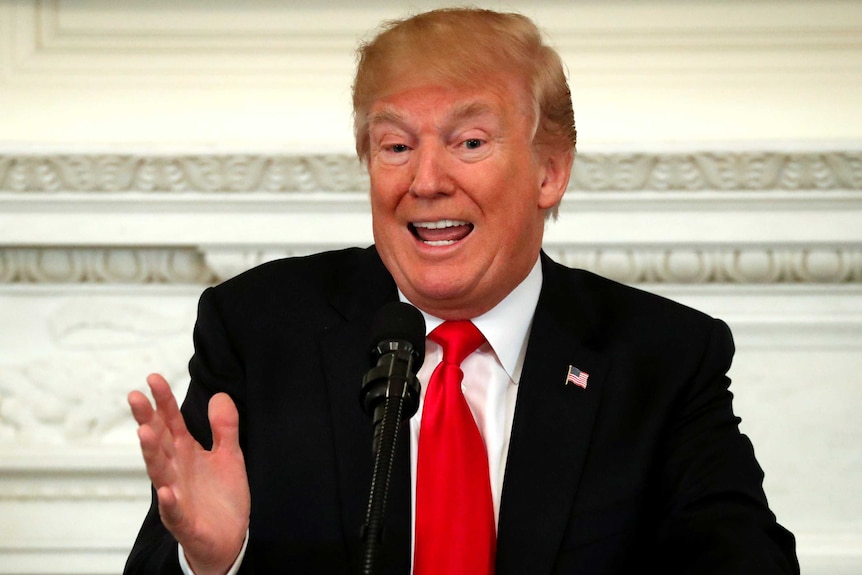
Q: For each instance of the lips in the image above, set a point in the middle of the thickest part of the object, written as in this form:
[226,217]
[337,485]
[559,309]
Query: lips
[441,232]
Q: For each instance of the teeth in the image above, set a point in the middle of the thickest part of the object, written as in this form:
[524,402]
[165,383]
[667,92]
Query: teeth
[439,225]
[440,243]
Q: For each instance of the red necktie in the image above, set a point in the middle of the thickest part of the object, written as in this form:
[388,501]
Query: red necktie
[455,529]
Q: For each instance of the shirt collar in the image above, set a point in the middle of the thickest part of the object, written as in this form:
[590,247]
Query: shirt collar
[507,325]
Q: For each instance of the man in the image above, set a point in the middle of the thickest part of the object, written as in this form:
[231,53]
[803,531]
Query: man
[603,412]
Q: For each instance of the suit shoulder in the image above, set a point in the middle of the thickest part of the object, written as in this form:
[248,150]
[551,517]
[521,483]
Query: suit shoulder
[612,315]
[610,305]
[314,271]
[620,294]
[295,287]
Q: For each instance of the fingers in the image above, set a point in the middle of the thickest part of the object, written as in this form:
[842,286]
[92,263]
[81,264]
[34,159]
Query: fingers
[169,509]
[157,449]
[166,405]
[224,421]
[142,411]
[159,429]
[203,496]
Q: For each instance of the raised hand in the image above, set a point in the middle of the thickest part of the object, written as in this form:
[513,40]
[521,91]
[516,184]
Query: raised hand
[203,495]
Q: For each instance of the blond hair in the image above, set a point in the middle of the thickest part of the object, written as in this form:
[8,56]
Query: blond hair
[454,46]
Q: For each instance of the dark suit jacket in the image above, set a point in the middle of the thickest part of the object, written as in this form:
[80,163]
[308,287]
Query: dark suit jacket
[645,468]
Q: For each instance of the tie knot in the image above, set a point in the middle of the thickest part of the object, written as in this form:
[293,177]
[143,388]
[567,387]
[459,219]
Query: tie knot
[458,340]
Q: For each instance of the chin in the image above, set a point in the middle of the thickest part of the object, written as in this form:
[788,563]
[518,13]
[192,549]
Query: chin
[437,291]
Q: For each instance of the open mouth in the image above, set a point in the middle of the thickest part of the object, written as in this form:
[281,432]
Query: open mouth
[441,232]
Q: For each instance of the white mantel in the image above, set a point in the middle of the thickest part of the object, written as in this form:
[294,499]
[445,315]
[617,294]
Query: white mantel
[151,148]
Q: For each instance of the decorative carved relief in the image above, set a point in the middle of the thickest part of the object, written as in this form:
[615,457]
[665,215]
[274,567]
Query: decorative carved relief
[100,349]
[71,486]
[343,173]
[695,266]
[718,171]
[109,173]
[102,265]
[679,265]
[228,263]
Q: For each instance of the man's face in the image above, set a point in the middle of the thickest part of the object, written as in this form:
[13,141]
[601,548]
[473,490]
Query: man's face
[459,193]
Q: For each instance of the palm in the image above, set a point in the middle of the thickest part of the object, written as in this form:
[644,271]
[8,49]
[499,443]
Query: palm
[203,495]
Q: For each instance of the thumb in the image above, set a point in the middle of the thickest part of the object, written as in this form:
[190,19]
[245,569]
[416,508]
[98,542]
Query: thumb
[224,421]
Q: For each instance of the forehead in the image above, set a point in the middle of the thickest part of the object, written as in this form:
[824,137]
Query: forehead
[491,98]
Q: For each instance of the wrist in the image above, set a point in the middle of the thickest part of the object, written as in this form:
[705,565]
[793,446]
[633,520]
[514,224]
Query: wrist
[191,567]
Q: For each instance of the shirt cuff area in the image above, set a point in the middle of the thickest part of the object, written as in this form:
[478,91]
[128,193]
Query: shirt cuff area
[184,564]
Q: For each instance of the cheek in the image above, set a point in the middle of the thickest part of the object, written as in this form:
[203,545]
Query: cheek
[386,190]
[382,200]
[384,219]
[517,216]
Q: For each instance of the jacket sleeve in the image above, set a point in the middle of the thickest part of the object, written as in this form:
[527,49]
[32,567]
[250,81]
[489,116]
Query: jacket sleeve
[213,368]
[715,517]
[155,550]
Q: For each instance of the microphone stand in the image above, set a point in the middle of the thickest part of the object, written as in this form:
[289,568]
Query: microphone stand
[393,396]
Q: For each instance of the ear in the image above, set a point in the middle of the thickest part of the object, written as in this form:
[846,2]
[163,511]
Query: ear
[556,170]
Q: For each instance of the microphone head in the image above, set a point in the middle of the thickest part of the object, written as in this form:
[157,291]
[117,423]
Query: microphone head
[397,321]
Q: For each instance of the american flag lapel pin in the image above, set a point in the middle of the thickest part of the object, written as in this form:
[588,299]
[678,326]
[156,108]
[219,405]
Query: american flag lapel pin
[577,377]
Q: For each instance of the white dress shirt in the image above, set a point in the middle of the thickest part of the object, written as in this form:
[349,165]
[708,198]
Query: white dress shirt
[491,375]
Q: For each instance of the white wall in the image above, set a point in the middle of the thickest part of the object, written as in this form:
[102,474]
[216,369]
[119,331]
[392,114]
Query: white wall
[148,149]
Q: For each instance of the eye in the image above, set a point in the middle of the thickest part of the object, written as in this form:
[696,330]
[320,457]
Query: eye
[473,149]
[392,153]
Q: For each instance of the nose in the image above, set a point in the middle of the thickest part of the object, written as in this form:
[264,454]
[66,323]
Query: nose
[430,175]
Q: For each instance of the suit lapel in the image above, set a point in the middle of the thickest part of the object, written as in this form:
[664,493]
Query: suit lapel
[550,433]
[551,429]
[346,358]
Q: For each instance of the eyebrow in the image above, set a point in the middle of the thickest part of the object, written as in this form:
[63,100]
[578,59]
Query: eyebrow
[470,110]
[461,112]
[387,115]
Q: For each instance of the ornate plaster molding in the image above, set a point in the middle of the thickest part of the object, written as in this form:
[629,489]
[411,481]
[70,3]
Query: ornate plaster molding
[39,485]
[594,172]
[88,351]
[683,265]
[720,266]
[103,265]
[63,386]
[181,173]
[90,218]
[644,265]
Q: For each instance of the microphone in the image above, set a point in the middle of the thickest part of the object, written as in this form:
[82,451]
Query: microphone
[390,394]
[398,348]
